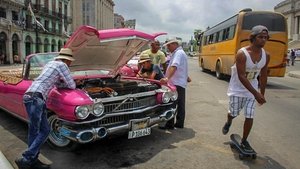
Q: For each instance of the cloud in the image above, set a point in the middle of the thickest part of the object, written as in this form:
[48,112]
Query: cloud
[181,17]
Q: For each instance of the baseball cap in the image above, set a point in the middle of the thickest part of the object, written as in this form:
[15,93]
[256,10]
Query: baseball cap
[259,29]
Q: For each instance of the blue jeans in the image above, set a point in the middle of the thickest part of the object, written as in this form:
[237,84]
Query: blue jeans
[39,128]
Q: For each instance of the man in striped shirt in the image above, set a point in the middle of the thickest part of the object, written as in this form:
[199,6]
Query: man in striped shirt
[55,73]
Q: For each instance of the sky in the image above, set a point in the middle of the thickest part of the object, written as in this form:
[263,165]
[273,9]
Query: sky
[179,18]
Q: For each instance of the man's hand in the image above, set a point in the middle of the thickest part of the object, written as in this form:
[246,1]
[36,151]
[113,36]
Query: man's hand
[79,82]
[164,80]
[189,79]
[260,98]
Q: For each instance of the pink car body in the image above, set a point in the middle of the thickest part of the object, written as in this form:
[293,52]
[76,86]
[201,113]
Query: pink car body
[106,102]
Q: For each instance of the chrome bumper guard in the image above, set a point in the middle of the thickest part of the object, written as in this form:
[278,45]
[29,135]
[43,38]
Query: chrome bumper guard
[89,135]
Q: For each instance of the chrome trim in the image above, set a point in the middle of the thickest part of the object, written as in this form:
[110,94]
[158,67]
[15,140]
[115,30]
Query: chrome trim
[153,122]
[123,97]
[117,114]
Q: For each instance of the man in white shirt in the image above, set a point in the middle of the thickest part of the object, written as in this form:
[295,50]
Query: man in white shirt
[251,62]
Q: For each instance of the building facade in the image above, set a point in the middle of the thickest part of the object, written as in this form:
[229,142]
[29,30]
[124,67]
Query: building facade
[95,13]
[119,21]
[20,35]
[130,23]
[291,10]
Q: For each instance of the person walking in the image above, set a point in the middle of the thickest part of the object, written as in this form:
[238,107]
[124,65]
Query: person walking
[156,55]
[177,74]
[251,62]
[55,73]
[293,57]
[2,58]
[149,70]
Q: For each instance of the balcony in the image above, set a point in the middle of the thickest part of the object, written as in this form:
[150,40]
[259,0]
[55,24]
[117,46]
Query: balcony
[5,22]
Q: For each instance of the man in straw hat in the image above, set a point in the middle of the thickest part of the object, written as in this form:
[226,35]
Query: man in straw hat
[177,74]
[55,73]
[251,62]
[149,70]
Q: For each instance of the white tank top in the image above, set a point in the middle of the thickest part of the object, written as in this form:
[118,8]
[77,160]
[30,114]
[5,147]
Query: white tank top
[236,88]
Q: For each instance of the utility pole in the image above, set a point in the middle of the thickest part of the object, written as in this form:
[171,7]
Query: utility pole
[36,38]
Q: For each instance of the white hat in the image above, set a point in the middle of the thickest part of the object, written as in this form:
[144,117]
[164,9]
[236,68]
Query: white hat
[171,41]
[65,53]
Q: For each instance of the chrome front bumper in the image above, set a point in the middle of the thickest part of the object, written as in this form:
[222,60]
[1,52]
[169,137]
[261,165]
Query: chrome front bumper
[92,134]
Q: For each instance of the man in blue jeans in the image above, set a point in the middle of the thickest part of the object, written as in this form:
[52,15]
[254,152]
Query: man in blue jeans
[55,73]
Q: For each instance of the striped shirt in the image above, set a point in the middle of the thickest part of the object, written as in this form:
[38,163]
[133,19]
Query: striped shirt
[55,73]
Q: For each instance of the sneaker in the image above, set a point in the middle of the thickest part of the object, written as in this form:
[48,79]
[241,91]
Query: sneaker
[40,165]
[225,128]
[246,146]
[22,164]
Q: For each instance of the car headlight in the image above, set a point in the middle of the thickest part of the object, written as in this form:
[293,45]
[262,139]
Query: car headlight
[174,96]
[82,112]
[98,109]
[166,97]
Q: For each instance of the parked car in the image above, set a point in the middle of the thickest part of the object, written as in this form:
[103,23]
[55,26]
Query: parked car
[106,102]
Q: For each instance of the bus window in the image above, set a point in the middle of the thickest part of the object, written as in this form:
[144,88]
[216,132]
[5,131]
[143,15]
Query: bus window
[231,32]
[226,34]
[220,36]
[273,22]
[215,38]
[210,41]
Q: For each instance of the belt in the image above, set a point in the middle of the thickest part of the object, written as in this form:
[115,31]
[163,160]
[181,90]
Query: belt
[35,94]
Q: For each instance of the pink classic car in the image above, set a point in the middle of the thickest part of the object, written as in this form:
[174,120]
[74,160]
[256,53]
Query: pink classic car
[106,102]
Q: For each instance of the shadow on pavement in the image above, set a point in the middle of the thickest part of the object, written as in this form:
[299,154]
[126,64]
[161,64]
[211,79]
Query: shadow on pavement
[259,163]
[112,152]
[118,151]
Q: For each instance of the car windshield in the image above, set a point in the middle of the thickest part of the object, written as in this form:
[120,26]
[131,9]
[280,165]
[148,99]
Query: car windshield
[38,61]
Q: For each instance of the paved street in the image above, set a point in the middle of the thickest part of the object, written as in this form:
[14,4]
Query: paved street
[199,145]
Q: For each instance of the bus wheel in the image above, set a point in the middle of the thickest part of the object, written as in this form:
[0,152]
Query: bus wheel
[219,75]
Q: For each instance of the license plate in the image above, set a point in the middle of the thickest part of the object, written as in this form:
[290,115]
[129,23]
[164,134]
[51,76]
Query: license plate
[139,133]
[139,128]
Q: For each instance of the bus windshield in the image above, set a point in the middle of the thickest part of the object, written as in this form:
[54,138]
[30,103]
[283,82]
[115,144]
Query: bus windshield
[273,22]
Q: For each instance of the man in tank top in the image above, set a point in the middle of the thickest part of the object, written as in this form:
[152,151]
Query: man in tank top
[251,62]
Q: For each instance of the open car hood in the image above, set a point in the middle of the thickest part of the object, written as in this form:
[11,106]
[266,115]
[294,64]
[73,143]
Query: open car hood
[105,49]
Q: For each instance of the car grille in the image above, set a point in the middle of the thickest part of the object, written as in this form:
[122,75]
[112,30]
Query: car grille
[123,119]
[130,104]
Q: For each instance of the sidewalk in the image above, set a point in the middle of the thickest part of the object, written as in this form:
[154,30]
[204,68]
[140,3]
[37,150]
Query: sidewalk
[295,74]
[10,148]
[4,163]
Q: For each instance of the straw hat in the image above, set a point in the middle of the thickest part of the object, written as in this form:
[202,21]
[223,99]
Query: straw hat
[65,53]
[144,57]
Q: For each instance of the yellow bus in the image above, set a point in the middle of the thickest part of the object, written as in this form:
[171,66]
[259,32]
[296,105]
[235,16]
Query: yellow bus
[219,44]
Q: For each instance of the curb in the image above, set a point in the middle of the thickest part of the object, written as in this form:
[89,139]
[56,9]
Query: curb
[4,163]
[295,74]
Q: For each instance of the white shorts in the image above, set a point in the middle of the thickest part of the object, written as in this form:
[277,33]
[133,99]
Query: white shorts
[236,104]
